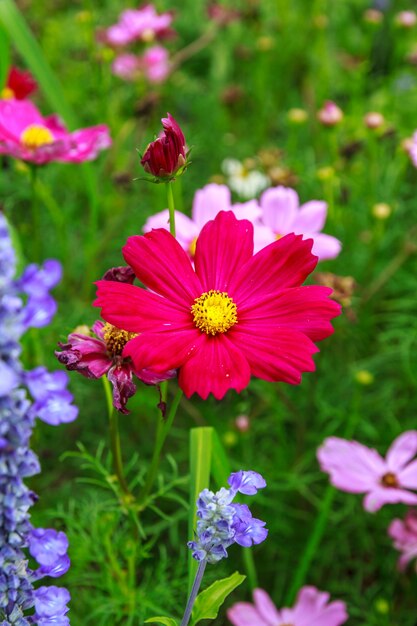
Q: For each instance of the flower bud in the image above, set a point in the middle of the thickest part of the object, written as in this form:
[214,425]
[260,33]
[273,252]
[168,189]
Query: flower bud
[374,120]
[381,210]
[406,19]
[330,114]
[166,156]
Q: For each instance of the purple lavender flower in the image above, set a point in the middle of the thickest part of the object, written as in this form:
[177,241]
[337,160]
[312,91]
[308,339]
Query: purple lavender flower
[222,522]
[17,461]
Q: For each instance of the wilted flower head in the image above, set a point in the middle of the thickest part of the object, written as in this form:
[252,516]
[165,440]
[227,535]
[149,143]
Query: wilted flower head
[312,608]
[25,134]
[221,523]
[330,114]
[404,534]
[166,156]
[143,24]
[235,315]
[357,469]
[19,85]
[343,286]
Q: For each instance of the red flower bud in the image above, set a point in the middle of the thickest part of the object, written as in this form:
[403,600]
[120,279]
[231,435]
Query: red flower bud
[20,83]
[165,156]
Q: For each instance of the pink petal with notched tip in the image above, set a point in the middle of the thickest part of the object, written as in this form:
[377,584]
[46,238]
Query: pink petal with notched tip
[407,477]
[311,217]
[379,496]
[402,450]
[186,229]
[279,209]
[216,366]
[265,607]
[208,201]
[312,609]
[325,246]
[245,614]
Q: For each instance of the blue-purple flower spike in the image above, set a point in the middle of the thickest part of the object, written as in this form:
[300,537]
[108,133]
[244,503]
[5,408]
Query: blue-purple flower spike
[222,523]
[52,403]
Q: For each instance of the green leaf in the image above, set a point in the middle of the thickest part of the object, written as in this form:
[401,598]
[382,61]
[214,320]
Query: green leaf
[4,57]
[167,621]
[200,464]
[209,601]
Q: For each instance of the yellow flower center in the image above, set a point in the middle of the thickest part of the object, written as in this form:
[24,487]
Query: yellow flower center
[214,312]
[148,35]
[6,93]
[389,480]
[116,339]
[277,237]
[35,136]
[192,247]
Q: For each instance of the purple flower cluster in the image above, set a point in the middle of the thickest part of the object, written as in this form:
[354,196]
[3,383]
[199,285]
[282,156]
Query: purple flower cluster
[222,522]
[20,603]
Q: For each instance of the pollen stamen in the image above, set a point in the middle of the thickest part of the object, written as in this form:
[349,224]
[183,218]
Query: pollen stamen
[36,136]
[214,312]
[116,339]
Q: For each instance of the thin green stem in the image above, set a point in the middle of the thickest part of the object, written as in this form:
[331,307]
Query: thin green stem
[115,439]
[35,212]
[194,591]
[171,208]
[163,428]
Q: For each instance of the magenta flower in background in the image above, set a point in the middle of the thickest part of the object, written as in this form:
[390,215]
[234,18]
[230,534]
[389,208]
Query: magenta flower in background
[155,64]
[282,214]
[25,134]
[165,156]
[142,24]
[207,203]
[357,469]
[404,534]
[236,315]
[312,608]
[126,66]
[94,357]
[330,114]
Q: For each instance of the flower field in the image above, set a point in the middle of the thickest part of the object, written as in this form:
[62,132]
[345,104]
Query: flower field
[208,335]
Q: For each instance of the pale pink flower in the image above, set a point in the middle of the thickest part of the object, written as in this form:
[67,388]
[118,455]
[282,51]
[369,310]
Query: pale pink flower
[25,134]
[330,114]
[282,214]
[357,469]
[312,608]
[404,533]
[155,64]
[142,24]
[126,66]
[406,19]
[412,148]
[207,203]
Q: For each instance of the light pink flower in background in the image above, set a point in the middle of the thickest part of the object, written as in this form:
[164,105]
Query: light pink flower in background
[142,24]
[357,469]
[312,608]
[412,148]
[207,203]
[282,214]
[127,66]
[404,534]
[25,134]
[330,114]
[155,64]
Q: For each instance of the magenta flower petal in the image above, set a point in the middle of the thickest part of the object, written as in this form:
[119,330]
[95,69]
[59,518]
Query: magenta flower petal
[165,351]
[402,450]
[282,264]
[312,609]
[223,246]
[311,217]
[216,366]
[162,265]
[282,355]
[127,306]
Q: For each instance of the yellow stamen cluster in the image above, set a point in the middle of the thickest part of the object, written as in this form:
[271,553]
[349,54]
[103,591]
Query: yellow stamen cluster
[6,93]
[214,312]
[35,136]
[389,480]
[116,339]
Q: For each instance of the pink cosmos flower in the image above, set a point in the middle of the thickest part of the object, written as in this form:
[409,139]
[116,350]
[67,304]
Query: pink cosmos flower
[330,114]
[357,469]
[207,203]
[312,608]
[142,24]
[25,134]
[404,534]
[126,66]
[93,357]
[236,315]
[282,214]
[155,64]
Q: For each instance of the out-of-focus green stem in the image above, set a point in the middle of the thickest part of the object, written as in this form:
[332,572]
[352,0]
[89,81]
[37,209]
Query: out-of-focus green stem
[115,439]
[171,208]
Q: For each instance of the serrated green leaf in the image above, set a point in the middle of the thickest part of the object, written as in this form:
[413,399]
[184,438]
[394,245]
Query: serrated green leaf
[167,621]
[209,601]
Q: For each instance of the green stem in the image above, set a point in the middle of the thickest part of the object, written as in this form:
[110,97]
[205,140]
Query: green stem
[115,439]
[194,591]
[164,426]
[171,208]
[35,212]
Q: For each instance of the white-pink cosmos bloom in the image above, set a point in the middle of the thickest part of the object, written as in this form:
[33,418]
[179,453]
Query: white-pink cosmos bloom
[207,203]
[282,214]
[312,608]
[357,469]
[404,534]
